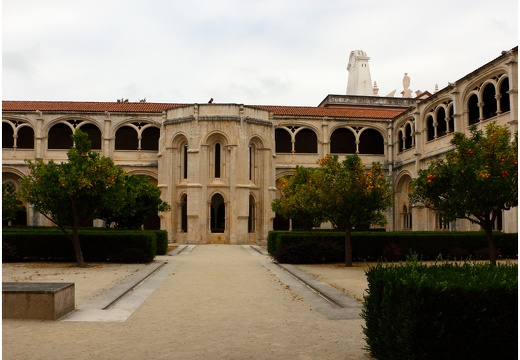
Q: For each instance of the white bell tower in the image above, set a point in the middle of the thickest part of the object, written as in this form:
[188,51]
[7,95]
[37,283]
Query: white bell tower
[359,79]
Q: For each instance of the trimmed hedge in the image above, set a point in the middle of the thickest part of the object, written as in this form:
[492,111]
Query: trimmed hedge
[161,237]
[447,311]
[298,246]
[97,244]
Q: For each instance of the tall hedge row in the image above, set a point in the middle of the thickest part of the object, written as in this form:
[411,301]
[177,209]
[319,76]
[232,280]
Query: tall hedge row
[328,246]
[97,244]
[447,311]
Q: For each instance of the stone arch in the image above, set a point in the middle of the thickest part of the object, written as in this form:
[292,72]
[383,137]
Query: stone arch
[217,213]
[16,133]
[183,204]
[442,125]
[180,155]
[305,141]
[126,137]
[152,175]
[150,135]
[371,141]
[94,134]
[217,143]
[252,213]
[473,108]
[283,140]
[8,129]
[488,96]
[402,189]
[405,135]
[504,102]
[60,136]
[343,141]
[255,144]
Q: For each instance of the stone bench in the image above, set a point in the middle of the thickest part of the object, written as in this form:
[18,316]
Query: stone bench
[32,300]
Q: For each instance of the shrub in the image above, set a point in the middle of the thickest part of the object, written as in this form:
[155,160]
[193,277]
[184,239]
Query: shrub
[284,246]
[98,245]
[447,311]
[161,237]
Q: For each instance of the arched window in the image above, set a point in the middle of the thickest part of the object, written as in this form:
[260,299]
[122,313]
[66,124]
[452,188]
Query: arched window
[401,140]
[473,109]
[184,213]
[283,141]
[371,142]
[431,127]
[7,136]
[150,138]
[306,142]
[252,162]
[442,125]
[407,218]
[504,96]
[217,214]
[342,141]
[25,138]
[251,221]
[94,135]
[126,138]
[217,158]
[184,161]
[408,140]
[490,102]
[60,137]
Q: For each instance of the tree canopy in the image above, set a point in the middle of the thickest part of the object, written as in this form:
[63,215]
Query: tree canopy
[476,181]
[11,204]
[73,193]
[296,198]
[131,202]
[344,193]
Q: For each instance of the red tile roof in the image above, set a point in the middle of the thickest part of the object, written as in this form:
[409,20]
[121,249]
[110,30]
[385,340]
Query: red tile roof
[145,107]
[349,112]
[67,106]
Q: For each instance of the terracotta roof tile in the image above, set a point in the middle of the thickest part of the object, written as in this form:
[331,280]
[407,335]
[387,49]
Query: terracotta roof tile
[68,106]
[350,112]
[131,107]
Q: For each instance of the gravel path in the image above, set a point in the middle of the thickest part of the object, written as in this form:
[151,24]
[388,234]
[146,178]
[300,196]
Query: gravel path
[216,302]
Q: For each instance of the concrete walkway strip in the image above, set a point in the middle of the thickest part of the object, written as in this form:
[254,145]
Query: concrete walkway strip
[332,303]
[129,293]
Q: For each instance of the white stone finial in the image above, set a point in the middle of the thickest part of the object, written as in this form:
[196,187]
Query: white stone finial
[376,89]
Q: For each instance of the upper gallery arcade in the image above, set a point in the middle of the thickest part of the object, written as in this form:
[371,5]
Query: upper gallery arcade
[218,165]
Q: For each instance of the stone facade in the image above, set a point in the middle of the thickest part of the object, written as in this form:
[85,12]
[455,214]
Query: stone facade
[218,164]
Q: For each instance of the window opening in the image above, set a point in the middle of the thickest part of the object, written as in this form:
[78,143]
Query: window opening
[217,214]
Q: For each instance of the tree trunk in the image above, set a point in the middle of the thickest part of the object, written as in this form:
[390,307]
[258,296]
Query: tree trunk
[492,246]
[348,246]
[75,239]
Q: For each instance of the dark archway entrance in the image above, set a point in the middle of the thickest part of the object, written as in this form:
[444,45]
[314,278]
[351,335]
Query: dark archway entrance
[218,214]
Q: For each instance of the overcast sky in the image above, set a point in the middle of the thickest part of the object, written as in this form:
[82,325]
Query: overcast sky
[255,52]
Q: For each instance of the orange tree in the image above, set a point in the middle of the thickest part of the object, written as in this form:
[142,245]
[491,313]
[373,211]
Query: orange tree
[476,181]
[11,204]
[350,195]
[71,194]
[133,200]
[296,200]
